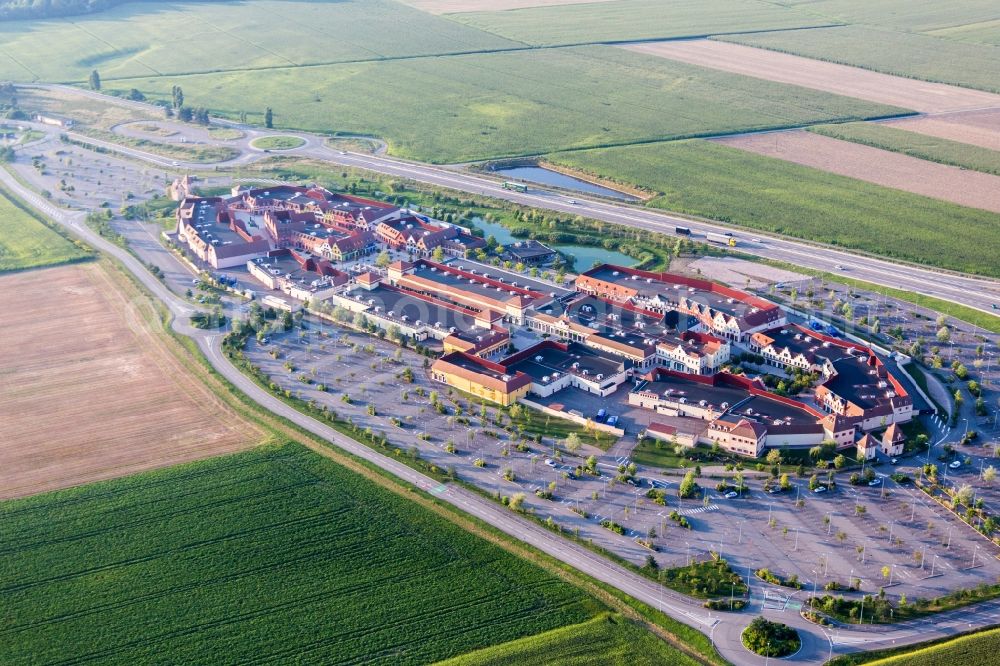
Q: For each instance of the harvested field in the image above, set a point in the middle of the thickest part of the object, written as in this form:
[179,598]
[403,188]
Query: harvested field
[819,75]
[455,6]
[92,392]
[882,167]
[980,128]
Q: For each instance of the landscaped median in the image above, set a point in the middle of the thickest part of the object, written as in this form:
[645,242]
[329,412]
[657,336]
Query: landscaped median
[879,609]
[278,142]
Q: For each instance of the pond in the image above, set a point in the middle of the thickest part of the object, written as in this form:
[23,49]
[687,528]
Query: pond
[556,179]
[585,255]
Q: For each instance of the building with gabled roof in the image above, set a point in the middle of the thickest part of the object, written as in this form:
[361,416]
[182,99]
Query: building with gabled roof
[723,311]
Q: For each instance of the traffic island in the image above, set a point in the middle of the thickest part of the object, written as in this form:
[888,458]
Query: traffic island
[770,639]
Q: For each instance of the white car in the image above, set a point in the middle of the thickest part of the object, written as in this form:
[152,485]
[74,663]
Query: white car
[840,267]
[550,462]
[875,482]
[955,464]
[820,489]
[731,494]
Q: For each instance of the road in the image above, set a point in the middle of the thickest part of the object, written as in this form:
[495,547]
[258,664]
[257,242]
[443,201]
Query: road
[724,629]
[979,293]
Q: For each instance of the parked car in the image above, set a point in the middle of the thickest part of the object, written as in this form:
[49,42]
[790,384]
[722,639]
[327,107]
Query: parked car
[612,421]
[550,462]
[601,415]
[820,489]
[955,464]
[731,494]
[894,461]
[875,482]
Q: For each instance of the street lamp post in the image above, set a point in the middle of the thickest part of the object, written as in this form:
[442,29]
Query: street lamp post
[933,562]
[974,553]
[949,537]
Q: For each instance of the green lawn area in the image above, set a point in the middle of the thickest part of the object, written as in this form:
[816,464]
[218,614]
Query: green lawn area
[606,640]
[903,53]
[159,38]
[922,146]
[473,107]
[710,180]
[635,19]
[25,242]
[269,555]
[278,142]
[975,649]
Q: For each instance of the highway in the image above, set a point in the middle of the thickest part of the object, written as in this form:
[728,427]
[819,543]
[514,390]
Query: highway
[979,293]
[724,628]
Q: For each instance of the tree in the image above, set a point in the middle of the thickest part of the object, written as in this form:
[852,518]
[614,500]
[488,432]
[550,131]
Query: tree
[383,259]
[990,474]
[784,482]
[572,442]
[815,452]
[268,118]
[592,464]
[438,254]
[813,482]
[177,96]
[688,486]
[95,80]
[839,461]
[773,457]
[185,113]
[944,334]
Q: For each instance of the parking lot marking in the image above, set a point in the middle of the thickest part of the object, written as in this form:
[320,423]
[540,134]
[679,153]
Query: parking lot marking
[700,509]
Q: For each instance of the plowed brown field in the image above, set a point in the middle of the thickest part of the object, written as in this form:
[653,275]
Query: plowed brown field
[819,75]
[980,128]
[90,391]
[883,167]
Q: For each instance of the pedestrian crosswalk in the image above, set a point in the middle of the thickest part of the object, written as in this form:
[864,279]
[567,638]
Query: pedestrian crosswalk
[700,509]
[623,460]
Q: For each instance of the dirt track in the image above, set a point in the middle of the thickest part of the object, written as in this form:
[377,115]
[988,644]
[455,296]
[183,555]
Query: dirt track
[980,128]
[455,6]
[90,392]
[967,188]
[819,75]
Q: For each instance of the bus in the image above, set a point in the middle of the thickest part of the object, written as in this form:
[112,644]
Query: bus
[517,187]
[683,231]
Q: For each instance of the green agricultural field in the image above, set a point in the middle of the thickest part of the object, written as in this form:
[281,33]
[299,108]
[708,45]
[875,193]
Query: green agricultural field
[904,54]
[710,180]
[606,640]
[275,554]
[914,144]
[27,243]
[508,104]
[975,649]
[904,15]
[157,38]
[625,20]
